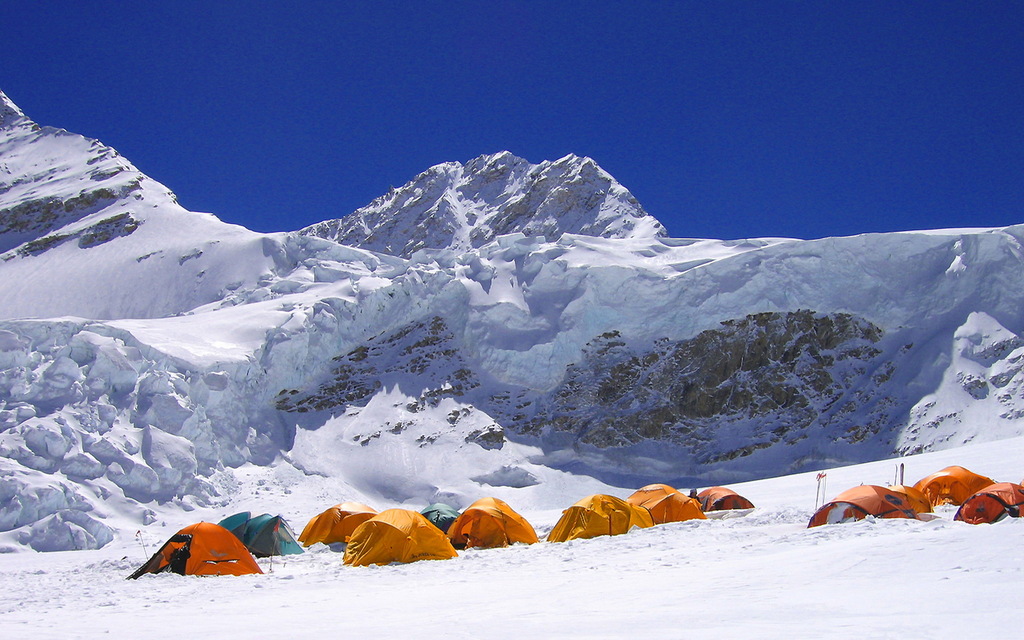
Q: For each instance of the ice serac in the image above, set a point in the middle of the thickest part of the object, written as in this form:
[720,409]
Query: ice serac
[463,206]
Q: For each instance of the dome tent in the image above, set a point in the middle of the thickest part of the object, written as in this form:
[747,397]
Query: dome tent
[722,499]
[236,523]
[440,515]
[860,502]
[951,485]
[396,535]
[599,515]
[335,524]
[490,522]
[267,535]
[264,536]
[667,504]
[917,500]
[992,504]
[202,549]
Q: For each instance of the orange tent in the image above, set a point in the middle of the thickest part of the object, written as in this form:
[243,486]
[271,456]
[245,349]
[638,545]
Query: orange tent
[992,504]
[336,524]
[666,504]
[918,501]
[952,485]
[860,502]
[202,549]
[721,499]
[599,515]
[490,522]
[396,535]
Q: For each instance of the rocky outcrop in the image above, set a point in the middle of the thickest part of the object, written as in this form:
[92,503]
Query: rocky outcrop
[422,357]
[756,382]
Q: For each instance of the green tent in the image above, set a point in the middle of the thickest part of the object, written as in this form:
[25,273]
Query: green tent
[265,535]
[441,515]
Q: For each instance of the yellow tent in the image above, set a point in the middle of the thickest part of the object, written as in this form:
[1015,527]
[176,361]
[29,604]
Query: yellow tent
[952,485]
[918,501]
[490,522]
[599,515]
[667,504]
[396,535]
[336,524]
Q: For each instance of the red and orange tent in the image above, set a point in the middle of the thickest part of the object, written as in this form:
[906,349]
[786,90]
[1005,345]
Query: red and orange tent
[951,485]
[201,549]
[722,498]
[992,504]
[490,522]
[860,502]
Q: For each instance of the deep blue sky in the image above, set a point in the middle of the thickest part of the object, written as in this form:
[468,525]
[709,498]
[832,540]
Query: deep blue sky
[725,119]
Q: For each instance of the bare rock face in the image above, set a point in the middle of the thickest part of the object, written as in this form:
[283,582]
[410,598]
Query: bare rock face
[756,382]
[765,380]
[424,356]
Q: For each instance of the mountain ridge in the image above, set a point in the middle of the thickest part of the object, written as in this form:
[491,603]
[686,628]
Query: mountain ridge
[150,355]
[491,195]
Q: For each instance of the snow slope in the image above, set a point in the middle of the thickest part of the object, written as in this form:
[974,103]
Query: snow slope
[763,575]
[85,233]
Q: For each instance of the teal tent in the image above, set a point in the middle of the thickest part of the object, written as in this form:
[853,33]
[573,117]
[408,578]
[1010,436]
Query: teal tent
[441,515]
[265,535]
[236,523]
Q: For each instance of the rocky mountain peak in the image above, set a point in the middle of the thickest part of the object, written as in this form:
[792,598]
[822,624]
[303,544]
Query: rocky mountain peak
[9,112]
[463,206]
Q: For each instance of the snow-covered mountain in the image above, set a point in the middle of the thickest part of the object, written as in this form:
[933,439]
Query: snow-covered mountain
[85,233]
[464,206]
[150,357]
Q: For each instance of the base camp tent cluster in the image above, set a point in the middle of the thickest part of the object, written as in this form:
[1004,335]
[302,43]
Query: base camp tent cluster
[980,499]
[402,535]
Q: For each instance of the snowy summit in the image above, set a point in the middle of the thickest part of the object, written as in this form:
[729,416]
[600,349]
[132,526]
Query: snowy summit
[464,206]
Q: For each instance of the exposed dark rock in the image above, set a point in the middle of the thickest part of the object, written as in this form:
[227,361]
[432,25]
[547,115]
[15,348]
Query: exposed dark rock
[769,376]
[420,356]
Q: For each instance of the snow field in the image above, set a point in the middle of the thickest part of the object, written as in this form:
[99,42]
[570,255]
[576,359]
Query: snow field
[762,575]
